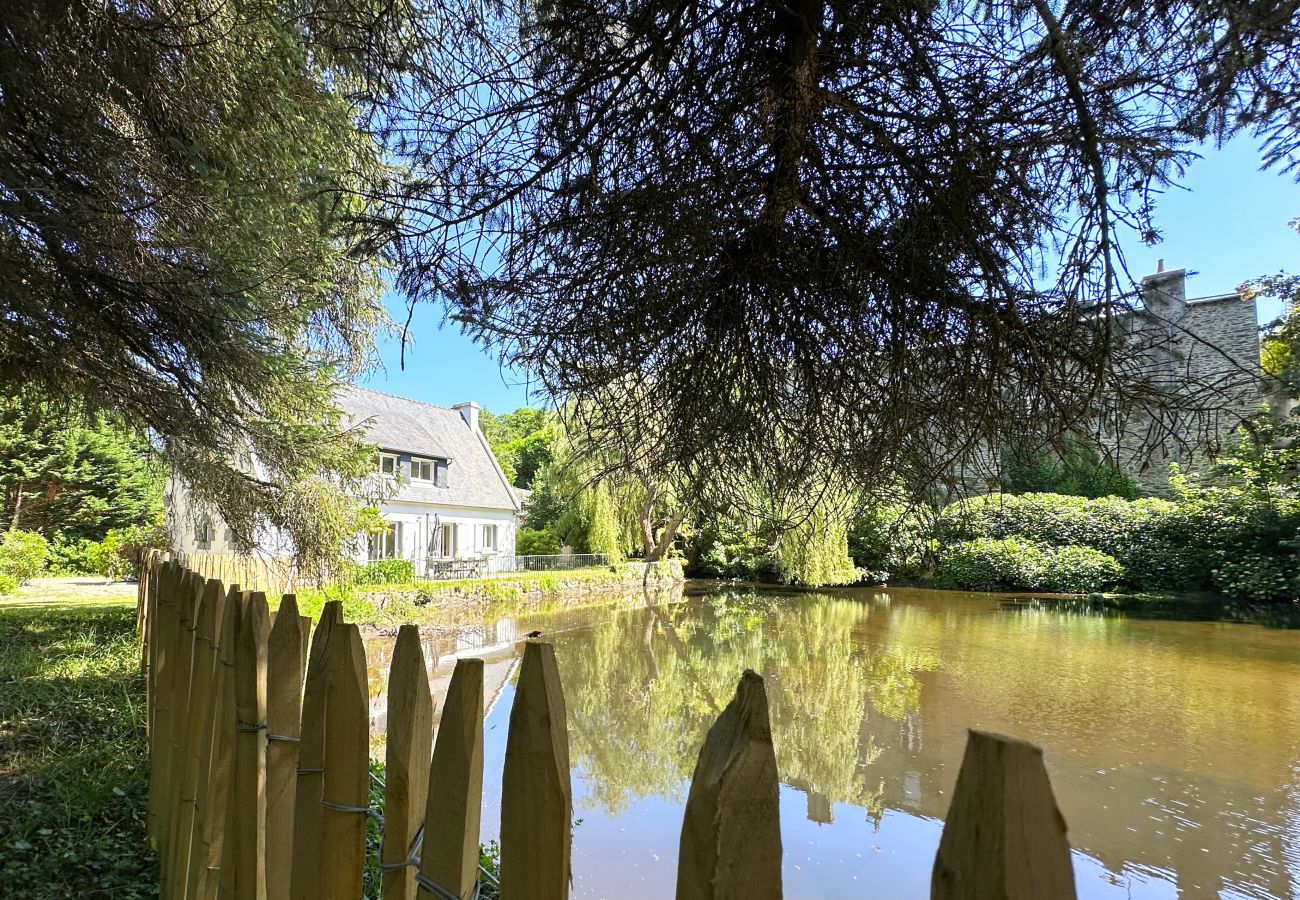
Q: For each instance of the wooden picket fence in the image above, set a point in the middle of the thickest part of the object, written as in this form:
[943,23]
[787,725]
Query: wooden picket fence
[259,752]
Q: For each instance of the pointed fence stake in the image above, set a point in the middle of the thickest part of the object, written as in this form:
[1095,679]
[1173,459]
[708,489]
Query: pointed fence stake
[286,660]
[731,831]
[449,857]
[407,759]
[216,826]
[1004,838]
[307,809]
[250,751]
[346,787]
[536,795]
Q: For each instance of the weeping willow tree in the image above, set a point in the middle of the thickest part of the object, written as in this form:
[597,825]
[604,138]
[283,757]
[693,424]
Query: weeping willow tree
[816,551]
[643,689]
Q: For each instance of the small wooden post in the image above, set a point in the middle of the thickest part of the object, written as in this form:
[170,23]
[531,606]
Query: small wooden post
[189,602]
[249,825]
[159,741]
[285,664]
[407,760]
[207,792]
[731,832]
[306,882]
[194,756]
[536,795]
[450,854]
[218,872]
[1004,838]
[347,767]
[150,641]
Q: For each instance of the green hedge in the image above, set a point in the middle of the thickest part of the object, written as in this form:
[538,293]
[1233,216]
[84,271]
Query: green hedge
[1239,543]
[990,564]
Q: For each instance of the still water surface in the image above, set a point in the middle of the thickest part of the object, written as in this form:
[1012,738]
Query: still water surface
[1173,746]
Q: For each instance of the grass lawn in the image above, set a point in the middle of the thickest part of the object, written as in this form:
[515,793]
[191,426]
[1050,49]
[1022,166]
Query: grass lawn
[73,771]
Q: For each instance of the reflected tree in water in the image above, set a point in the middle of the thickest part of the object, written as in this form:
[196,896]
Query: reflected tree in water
[643,689]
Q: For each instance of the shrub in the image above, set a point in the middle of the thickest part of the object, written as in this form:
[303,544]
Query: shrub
[23,555]
[118,556]
[72,556]
[743,556]
[1078,570]
[8,584]
[1257,578]
[990,564]
[386,571]
[536,542]
[892,540]
[1200,542]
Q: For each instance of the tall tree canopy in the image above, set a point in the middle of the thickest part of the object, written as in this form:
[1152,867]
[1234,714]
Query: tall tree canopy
[184,237]
[63,472]
[878,235]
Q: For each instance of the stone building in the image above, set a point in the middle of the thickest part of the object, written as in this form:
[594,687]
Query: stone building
[1194,369]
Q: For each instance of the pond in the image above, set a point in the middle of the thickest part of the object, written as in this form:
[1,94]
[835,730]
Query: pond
[1173,746]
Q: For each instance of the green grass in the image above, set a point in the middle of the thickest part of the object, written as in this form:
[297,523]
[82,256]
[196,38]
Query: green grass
[73,771]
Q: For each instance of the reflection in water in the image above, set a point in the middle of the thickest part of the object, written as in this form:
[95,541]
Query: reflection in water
[1173,746]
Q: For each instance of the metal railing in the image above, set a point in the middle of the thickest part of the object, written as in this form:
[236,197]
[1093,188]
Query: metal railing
[438,569]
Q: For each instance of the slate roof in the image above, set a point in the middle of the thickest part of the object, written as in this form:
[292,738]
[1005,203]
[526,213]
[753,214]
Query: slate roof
[422,429]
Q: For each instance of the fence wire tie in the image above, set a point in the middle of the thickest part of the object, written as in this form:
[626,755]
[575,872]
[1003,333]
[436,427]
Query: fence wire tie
[438,890]
[412,854]
[344,808]
[309,771]
[260,726]
[287,738]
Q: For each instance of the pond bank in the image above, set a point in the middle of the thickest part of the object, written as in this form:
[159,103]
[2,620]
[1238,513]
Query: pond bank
[473,600]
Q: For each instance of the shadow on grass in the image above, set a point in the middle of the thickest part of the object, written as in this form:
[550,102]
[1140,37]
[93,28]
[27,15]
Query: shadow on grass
[73,770]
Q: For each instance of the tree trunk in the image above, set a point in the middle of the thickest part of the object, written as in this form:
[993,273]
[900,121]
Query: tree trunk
[667,535]
[18,507]
[647,520]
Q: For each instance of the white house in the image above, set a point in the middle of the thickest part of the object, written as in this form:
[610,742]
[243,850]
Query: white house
[444,495]
[436,482]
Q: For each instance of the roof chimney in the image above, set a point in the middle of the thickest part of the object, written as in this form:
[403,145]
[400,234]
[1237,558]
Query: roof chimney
[1164,294]
[469,412]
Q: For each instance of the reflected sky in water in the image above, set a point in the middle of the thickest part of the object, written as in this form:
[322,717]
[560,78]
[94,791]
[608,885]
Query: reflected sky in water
[1173,746]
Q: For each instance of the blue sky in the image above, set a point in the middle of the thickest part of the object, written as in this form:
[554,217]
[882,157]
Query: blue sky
[1227,223]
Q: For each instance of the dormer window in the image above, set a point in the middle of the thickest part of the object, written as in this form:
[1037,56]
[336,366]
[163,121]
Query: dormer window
[423,469]
[388,464]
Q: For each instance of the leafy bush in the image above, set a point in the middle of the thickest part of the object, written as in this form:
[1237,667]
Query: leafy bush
[1202,541]
[990,564]
[386,571]
[118,556]
[8,584]
[740,555]
[892,540]
[23,555]
[1257,578]
[537,542]
[1078,570]
[72,556]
